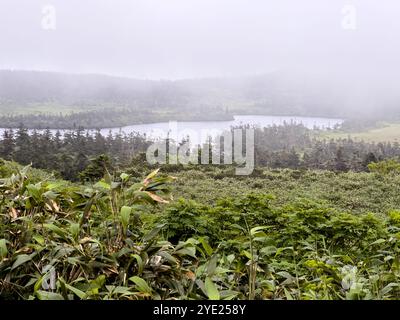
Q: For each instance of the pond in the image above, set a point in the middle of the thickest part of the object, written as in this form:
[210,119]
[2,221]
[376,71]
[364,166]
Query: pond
[199,130]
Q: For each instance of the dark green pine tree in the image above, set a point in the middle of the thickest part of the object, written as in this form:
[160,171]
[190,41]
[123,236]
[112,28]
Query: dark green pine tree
[369,158]
[293,159]
[23,147]
[96,169]
[340,163]
[7,145]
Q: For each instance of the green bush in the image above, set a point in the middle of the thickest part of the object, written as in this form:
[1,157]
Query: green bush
[385,167]
[123,239]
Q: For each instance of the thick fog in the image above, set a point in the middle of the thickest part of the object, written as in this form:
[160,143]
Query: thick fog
[349,44]
[199,38]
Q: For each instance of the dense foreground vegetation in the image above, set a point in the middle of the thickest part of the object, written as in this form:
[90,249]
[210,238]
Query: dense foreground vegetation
[127,238]
[317,219]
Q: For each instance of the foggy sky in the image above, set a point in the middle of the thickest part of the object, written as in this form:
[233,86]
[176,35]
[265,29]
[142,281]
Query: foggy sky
[172,39]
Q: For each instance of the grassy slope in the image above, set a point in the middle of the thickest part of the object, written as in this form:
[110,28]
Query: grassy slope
[390,132]
[45,108]
[351,192]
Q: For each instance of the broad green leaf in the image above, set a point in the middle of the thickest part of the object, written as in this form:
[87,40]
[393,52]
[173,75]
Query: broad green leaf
[3,249]
[124,291]
[125,215]
[31,282]
[34,191]
[269,250]
[141,284]
[124,177]
[212,265]
[38,284]
[236,226]
[167,257]
[44,295]
[74,229]
[187,251]
[54,185]
[257,230]
[285,275]
[152,234]
[96,284]
[151,175]
[102,185]
[57,230]
[228,294]
[288,295]
[211,290]
[21,259]
[50,195]
[280,250]
[388,258]
[201,285]
[206,246]
[39,239]
[142,195]
[389,288]
[79,293]
[140,263]
[247,254]
[379,241]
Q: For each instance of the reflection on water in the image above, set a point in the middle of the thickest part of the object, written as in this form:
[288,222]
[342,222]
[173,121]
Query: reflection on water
[199,130]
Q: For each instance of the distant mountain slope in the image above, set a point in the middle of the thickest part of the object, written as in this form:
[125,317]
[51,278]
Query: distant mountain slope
[33,87]
[284,93]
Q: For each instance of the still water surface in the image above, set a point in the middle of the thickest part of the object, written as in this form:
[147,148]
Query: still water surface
[199,130]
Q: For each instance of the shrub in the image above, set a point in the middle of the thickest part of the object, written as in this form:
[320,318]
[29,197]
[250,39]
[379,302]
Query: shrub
[385,167]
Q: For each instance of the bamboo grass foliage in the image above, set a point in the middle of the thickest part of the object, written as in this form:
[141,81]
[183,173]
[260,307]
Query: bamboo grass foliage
[119,238]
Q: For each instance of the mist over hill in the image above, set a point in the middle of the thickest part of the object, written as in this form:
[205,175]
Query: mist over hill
[122,101]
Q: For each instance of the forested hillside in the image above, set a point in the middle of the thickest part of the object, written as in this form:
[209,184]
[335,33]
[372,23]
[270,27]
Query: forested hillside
[57,100]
